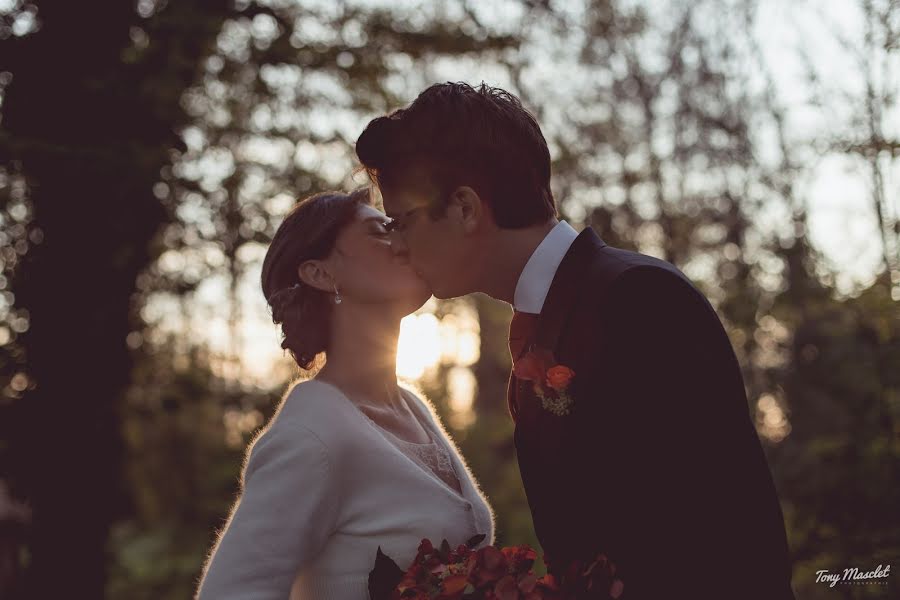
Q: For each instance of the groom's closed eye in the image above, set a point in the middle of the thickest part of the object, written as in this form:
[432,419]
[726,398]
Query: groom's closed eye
[400,223]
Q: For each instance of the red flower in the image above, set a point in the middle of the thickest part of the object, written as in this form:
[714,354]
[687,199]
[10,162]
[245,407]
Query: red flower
[558,377]
[549,582]
[520,557]
[528,583]
[454,584]
[529,368]
[490,566]
[425,548]
[506,589]
[594,578]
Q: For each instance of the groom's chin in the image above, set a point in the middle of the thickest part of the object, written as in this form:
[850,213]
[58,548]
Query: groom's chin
[442,292]
[444,295]
[448,290]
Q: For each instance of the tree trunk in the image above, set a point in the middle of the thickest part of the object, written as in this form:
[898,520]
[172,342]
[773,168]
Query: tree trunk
[78,119]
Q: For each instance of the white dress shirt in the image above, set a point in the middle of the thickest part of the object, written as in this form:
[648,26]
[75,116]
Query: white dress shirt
[535,279]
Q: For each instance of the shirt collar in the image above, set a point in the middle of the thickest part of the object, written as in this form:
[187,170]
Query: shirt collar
[535,279]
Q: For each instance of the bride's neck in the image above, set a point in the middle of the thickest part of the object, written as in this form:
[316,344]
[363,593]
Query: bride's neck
[362,358]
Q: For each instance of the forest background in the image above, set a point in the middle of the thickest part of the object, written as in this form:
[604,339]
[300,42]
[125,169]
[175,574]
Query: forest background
[149,150]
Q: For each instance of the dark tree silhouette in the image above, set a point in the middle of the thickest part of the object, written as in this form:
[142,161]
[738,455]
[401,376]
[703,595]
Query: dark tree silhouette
[88,117]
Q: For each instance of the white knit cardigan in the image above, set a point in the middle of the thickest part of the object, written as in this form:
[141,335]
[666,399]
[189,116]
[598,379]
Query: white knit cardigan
[322,488]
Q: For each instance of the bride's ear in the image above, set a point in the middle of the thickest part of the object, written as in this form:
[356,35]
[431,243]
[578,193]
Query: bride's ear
[314,273]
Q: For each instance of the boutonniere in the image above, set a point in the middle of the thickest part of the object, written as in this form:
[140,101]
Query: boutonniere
[550,379]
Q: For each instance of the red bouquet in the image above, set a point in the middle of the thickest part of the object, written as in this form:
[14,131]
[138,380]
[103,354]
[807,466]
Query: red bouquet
[489,573]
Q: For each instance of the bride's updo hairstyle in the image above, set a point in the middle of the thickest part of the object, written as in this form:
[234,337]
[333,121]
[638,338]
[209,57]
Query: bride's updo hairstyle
[308,232]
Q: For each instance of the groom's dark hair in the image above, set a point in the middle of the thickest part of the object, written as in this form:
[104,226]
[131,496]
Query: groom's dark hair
[480,137]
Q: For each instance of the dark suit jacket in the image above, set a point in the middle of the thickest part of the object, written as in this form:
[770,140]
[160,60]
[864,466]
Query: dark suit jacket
[658,465]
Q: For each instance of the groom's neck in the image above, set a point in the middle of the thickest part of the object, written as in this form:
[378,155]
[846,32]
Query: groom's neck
[506,255]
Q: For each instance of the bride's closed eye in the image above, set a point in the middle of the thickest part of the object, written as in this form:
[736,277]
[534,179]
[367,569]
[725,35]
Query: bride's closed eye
[380,228]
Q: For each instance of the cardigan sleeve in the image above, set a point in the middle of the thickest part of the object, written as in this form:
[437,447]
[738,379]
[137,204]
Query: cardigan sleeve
[285,514]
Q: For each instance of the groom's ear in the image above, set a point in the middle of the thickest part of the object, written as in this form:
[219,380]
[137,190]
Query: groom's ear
[468,208]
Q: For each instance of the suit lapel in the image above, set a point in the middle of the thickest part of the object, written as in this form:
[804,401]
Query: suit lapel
[565,286]
[560,297]
[543,441]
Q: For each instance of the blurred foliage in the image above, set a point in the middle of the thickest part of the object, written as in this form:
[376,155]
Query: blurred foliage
[668,136]
[837,470]
[185,430]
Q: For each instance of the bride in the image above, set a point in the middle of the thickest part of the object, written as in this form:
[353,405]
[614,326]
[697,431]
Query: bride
[350,460]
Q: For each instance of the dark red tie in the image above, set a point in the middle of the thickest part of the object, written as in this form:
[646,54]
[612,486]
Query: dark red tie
[521,331]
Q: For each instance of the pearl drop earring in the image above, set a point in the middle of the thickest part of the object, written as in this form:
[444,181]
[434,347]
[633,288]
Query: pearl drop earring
[337,295]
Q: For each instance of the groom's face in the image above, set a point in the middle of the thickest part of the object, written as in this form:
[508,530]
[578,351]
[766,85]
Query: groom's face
[437,247]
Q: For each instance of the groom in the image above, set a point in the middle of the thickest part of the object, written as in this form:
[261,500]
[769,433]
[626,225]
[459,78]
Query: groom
[638,442]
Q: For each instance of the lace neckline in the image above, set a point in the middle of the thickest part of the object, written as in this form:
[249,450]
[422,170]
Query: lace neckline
[431,455]
[461,494]
[427,444]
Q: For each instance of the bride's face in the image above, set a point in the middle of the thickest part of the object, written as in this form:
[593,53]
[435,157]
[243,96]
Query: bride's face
[369,272]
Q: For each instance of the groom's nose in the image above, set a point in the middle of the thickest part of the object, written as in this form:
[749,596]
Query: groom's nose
[398,246]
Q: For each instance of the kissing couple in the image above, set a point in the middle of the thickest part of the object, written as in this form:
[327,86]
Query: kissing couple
[632,429]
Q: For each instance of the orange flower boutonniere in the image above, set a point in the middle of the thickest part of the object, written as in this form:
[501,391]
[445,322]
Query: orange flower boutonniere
[549,379]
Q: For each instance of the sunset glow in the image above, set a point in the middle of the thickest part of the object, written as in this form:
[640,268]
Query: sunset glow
[419,347]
